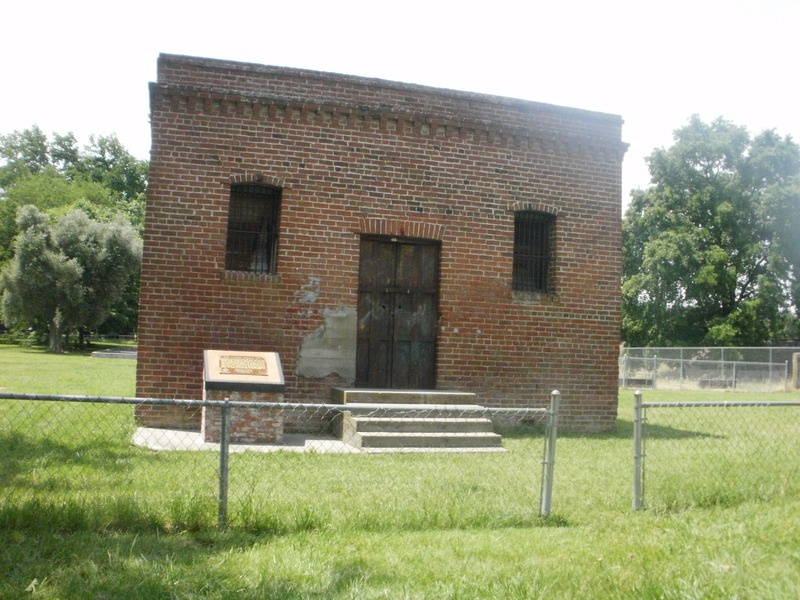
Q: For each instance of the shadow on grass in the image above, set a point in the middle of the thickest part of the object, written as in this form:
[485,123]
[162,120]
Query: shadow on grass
[128,565]
[150,564]
[23,454]
[180,566]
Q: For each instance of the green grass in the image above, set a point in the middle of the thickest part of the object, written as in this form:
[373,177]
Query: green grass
[34,371]
[347,527]
[702,456]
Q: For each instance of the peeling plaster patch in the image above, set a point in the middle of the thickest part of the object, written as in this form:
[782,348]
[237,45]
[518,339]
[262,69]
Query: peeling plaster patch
[309,292]
[331,348]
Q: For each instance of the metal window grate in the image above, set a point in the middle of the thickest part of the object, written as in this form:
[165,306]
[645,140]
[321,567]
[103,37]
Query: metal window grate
[532,251]
[252,240]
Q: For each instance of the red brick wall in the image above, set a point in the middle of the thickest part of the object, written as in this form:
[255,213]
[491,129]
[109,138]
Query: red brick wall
[245,425]
[364,156]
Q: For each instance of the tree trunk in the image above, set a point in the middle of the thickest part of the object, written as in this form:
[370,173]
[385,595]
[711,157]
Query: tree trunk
[56,334]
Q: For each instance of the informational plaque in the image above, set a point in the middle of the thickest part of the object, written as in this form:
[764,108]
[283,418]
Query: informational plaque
[234,364]
[243,371]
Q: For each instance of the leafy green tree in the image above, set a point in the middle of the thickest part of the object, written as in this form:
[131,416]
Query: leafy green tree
[64,153]
[23,153]
[68,274]
[105,160]
[49,191]
[101,179]
[103,176]
[710,249]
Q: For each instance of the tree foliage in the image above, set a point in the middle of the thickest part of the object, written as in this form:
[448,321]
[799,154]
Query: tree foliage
[710,250]
[102,180]
[67,274]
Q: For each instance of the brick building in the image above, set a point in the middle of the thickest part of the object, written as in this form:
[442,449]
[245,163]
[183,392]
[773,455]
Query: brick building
[379,234]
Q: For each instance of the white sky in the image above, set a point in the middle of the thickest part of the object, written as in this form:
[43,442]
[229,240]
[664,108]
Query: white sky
[84,66]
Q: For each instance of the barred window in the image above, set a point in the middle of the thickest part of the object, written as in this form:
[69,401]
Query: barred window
[533,232]
[252,243]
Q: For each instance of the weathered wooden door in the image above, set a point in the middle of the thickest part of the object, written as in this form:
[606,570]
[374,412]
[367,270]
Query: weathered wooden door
[398,296]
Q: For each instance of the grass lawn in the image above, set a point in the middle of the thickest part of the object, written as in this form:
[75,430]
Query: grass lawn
[33,371]
[728,545]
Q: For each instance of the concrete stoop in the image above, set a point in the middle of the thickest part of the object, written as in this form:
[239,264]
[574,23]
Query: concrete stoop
[372,396]
[401,429]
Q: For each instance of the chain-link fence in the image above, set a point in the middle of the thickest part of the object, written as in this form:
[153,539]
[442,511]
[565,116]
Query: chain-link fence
[755,354]
[77,462]
[714,453]
[695,374]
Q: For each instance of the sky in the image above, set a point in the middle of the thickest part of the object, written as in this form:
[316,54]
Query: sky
[84,66]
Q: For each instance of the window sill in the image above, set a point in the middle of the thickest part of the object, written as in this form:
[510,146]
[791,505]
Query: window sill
[248,276]
[534,297]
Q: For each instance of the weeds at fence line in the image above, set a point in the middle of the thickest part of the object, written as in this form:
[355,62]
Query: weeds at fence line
[85,463]
[701,454]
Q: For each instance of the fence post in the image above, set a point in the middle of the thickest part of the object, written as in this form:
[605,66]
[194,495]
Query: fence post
[224,439]
[638,456]
[655,370]
[549,455]
[785,376]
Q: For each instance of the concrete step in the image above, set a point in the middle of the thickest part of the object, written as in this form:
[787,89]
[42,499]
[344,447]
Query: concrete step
[411,450]
[421,425]
[429,440]
[370,396]
[412,411]
[401,433]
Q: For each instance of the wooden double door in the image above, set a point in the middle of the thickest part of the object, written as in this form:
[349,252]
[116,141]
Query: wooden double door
[398,297]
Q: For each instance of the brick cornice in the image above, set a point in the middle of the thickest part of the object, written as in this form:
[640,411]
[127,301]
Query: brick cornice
[390,118]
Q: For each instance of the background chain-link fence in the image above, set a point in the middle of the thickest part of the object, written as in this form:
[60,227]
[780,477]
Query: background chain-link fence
[82,462]
[690,454]
[755,354]
[657,372]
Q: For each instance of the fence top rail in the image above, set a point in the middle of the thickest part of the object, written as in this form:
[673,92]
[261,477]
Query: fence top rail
[673,348]
[721,403]
[437,408]
[108,399]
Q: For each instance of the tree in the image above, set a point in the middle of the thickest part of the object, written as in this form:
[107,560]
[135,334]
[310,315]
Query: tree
[710,249]
[24,153]
[105,160]
[67,275]
[101,179]
[48,191]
